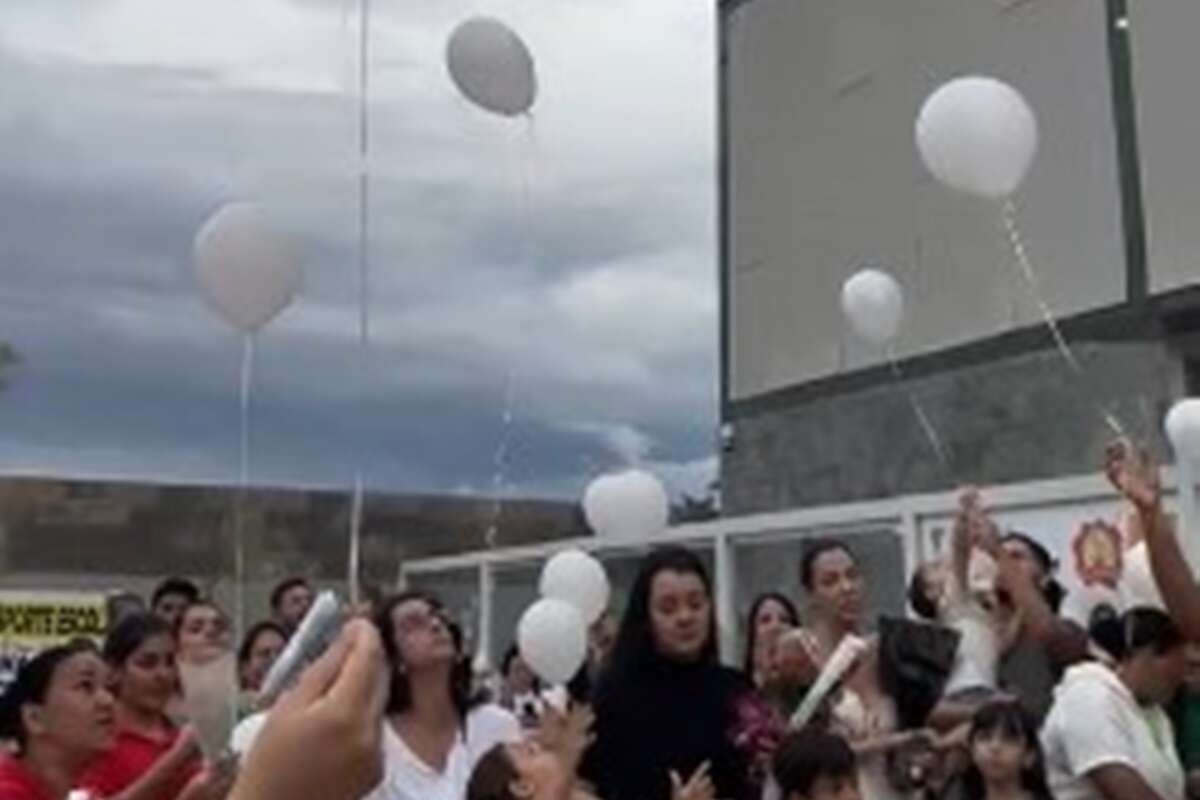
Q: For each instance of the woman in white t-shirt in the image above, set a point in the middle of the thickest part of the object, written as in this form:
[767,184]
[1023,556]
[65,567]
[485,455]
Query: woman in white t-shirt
[1107,736]
[433,732]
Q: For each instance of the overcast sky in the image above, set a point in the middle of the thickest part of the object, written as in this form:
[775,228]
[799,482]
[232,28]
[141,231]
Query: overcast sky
[571,259]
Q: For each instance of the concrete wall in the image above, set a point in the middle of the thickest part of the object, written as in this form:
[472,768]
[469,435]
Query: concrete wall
[107,536]
[1021,418]
[823,177]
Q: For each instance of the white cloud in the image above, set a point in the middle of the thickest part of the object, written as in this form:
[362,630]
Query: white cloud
[269,45]
[624,441]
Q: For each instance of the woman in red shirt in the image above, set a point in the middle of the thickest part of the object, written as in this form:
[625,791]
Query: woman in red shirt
[59,714]
[150,759]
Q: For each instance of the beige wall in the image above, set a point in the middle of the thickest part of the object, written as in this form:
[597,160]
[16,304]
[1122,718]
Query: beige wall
[824,175]
[1166,64]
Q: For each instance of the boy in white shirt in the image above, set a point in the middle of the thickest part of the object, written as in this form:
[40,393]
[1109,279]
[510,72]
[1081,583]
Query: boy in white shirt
[1107,736]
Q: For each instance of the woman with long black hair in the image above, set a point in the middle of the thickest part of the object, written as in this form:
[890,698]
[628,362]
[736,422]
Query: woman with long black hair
[59,715]
[434,731]
[770,615]
[665,706]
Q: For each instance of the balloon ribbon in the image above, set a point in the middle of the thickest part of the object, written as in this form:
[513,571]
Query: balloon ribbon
[1026,272]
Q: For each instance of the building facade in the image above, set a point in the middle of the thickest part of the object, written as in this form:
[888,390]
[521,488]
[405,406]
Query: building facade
[820,177]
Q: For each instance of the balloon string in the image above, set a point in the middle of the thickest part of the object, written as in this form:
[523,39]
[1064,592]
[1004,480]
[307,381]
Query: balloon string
[239,532]
[356,514]
[364,175]
[524,160]
[1026,272]
[500,461]
[931,434]
[364,274]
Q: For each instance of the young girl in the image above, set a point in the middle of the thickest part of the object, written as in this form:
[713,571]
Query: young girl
[1006,758]
[543,766]
[150,759]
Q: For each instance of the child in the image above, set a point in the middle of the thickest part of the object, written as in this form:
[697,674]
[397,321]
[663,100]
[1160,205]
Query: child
[542,766]
[812,764]
[966,602]
[1006,758]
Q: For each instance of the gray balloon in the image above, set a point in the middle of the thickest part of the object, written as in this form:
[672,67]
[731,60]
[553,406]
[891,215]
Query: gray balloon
[491,66]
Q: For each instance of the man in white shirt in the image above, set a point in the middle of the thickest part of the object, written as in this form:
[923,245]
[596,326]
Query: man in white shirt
[1107,736]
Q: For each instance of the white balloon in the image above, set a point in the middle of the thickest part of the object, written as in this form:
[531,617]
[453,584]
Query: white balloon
[873,303]
[1183,429]
[492,66]
[248,271]
[627,505]
[579,579]
[552,638]
[978,135]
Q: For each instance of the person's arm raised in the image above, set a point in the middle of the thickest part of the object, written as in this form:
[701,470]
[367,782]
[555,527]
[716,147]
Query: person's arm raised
[1135,475]
[1065,641]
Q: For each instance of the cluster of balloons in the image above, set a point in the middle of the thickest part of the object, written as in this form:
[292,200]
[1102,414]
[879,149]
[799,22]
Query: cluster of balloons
[552,633]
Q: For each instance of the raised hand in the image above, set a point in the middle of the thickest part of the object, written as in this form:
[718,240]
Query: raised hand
[568,734]
[977,527]
[1134,474]
[795,657]
[323,738]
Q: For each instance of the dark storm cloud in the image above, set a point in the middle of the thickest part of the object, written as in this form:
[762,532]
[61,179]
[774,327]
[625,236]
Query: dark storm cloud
[571,261]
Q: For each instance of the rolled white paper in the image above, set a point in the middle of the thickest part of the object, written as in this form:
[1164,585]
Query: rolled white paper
[317,630]
[848,651]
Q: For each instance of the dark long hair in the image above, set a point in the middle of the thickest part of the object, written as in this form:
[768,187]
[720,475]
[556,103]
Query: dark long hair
[789,610]
[813,550]
[400,690]
[493,776]
[635,647]
[131,633]
[1011,721]
[31,686]
[251,638]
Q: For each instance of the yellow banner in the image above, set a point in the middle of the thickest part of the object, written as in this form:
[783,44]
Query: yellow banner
[36,620]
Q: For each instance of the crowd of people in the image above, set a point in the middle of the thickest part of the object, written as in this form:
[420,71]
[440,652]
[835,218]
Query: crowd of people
[986,691]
